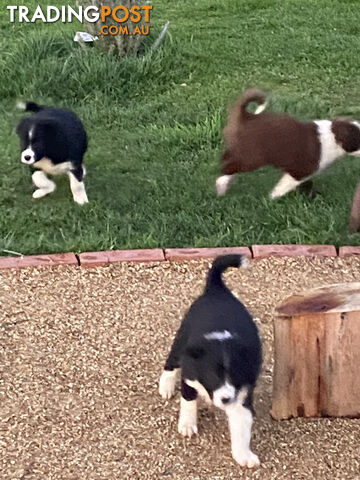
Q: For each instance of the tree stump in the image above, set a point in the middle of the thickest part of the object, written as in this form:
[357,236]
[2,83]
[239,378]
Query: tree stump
[317,354]
[354,225]
[120,45]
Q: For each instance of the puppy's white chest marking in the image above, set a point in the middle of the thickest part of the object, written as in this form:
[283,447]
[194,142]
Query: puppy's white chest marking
[227,392]
[330,150]
[46,165]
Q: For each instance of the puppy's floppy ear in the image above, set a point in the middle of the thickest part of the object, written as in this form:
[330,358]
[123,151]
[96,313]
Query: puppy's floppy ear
[195,351]
[346,134]
[23,126]
[246,363]
[22,131]
[53,138]
[50,126]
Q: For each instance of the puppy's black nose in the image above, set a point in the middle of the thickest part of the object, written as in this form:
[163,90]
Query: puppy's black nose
[226,400]
[27,157]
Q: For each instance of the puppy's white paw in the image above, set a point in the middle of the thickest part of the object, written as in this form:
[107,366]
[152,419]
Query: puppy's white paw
[40,192]
[81,199]
[167,384]
[187,428]
[187,425]
[275,194]
[246,459]
[222,184]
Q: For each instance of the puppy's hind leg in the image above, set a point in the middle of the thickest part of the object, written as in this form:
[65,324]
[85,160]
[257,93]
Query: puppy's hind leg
[44,184]
[240,422]
[187,425]
[77,186]
[229,166]
[308,189]
[286,184]
[223,183]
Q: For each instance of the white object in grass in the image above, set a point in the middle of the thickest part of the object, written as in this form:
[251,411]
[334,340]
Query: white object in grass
[84,37]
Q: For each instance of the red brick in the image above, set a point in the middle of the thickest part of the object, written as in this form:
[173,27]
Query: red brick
[349,251]
[174,254]
[264,251]
[146,255]
[38,260]
[94,259]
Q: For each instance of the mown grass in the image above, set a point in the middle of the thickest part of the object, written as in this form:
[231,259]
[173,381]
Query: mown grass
[155,142]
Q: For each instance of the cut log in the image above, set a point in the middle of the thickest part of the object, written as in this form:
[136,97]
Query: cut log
[317,354]
[354,225]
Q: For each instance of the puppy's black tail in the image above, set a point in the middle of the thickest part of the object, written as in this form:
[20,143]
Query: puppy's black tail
[219,265]
[29,106]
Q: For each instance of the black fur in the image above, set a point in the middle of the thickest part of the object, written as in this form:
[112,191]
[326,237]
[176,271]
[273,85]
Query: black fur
[58,134]
[188,392]
[211,362]
[53,142]
[33,107]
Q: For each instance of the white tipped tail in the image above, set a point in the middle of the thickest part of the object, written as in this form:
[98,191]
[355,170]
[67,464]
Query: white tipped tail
[260,108]
[245,262]
[20,105]
[221,264]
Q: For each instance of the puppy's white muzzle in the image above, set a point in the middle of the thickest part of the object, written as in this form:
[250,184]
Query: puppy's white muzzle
[224,396]
[28,157]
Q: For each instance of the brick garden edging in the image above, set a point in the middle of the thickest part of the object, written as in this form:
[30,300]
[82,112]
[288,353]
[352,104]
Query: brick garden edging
[348,251]
[264,251]
[176,254]
[53,260]
[95,259]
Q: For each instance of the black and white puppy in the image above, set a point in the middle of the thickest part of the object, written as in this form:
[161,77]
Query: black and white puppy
[218,350]
[53,141]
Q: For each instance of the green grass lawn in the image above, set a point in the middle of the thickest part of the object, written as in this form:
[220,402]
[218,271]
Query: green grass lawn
[155,144]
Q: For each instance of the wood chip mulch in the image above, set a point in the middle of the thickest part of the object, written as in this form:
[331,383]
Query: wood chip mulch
[80,356]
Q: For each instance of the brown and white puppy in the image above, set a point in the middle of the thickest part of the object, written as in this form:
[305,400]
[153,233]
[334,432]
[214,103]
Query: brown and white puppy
[299,149]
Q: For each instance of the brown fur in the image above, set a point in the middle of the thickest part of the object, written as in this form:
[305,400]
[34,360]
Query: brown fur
[238,113]
[279,140]
[347,134]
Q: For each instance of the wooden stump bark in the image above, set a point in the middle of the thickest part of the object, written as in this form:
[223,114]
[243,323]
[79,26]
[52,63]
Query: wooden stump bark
[317,354]
[354,225]
[120,45]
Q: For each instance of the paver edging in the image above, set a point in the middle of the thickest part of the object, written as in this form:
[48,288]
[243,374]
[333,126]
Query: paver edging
[265,251]
[95,259]
[25,261]
[180,254]
[349,251]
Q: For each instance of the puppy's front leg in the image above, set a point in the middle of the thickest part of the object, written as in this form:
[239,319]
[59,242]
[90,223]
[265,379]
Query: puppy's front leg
[77,185]
[44,184]
[240,421]
[188,411]
[172,365]
[286,184]
[167,383]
